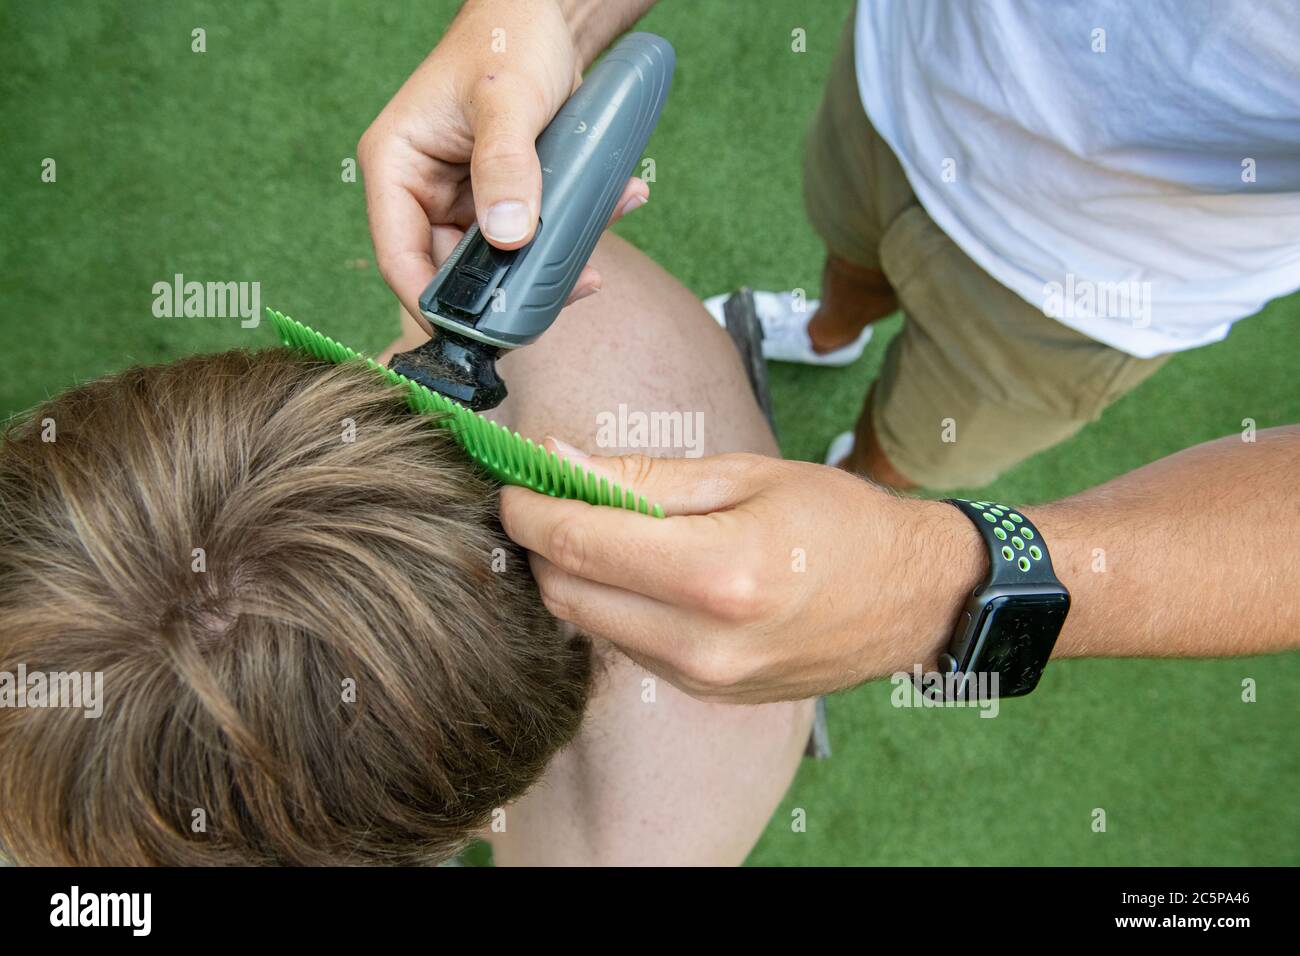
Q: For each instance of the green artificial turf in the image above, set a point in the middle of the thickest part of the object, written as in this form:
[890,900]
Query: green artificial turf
[227,165]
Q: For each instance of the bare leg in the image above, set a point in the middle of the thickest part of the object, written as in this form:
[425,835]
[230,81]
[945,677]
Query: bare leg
[654,777]
[867,458]
[853,297]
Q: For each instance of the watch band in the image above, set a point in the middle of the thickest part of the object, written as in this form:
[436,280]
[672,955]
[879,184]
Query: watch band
[1017,553]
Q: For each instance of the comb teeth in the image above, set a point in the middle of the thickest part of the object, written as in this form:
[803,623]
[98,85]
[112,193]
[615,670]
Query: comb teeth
[506,455]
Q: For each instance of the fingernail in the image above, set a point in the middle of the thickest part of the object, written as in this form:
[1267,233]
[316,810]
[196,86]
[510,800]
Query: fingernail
[566,450]
[636,202]
[583,293]
[507,221]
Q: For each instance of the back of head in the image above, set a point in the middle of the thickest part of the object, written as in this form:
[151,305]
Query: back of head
[316,645]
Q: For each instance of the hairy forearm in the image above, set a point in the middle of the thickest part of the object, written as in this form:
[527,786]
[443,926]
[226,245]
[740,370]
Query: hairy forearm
[595,23]
[1197,554]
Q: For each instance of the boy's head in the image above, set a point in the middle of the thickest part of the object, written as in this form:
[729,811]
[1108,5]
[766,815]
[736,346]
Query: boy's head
[316,644]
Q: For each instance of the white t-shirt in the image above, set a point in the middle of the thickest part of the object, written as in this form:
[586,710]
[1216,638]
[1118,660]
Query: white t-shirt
[1132,167]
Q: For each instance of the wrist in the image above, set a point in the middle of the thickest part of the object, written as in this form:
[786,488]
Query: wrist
[579,17]
[940,561]
[1079,564]
[593,24]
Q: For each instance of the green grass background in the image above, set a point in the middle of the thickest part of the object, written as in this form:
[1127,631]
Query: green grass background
[226,165]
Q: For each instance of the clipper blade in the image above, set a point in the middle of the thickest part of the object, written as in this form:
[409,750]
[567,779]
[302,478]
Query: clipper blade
[460,368]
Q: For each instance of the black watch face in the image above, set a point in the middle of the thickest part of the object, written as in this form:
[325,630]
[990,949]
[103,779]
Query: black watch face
[1017,638]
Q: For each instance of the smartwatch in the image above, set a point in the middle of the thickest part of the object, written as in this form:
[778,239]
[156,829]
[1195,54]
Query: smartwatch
[1010,623]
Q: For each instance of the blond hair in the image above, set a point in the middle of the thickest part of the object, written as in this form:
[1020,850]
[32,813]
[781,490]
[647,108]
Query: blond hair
[317,645]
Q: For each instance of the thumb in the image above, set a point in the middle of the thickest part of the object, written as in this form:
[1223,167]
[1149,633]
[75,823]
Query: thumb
[504,171]
[683,486]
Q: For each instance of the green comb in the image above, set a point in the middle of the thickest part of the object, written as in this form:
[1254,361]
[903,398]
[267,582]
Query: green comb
[506,455]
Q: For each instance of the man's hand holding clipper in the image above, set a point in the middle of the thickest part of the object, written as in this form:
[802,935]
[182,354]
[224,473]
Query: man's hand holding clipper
[471,112]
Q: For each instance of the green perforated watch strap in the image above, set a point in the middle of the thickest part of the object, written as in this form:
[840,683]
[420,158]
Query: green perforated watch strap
[1017,553]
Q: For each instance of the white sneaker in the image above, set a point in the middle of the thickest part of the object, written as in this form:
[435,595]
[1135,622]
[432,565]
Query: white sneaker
[785,331]
[841,448]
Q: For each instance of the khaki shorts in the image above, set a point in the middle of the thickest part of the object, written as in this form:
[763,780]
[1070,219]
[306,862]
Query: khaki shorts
[978,379]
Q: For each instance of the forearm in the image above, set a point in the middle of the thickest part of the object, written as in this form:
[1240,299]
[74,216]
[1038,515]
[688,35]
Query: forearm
[1195,555]
[595,23]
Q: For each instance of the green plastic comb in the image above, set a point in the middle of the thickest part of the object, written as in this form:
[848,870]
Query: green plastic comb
[506,455]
